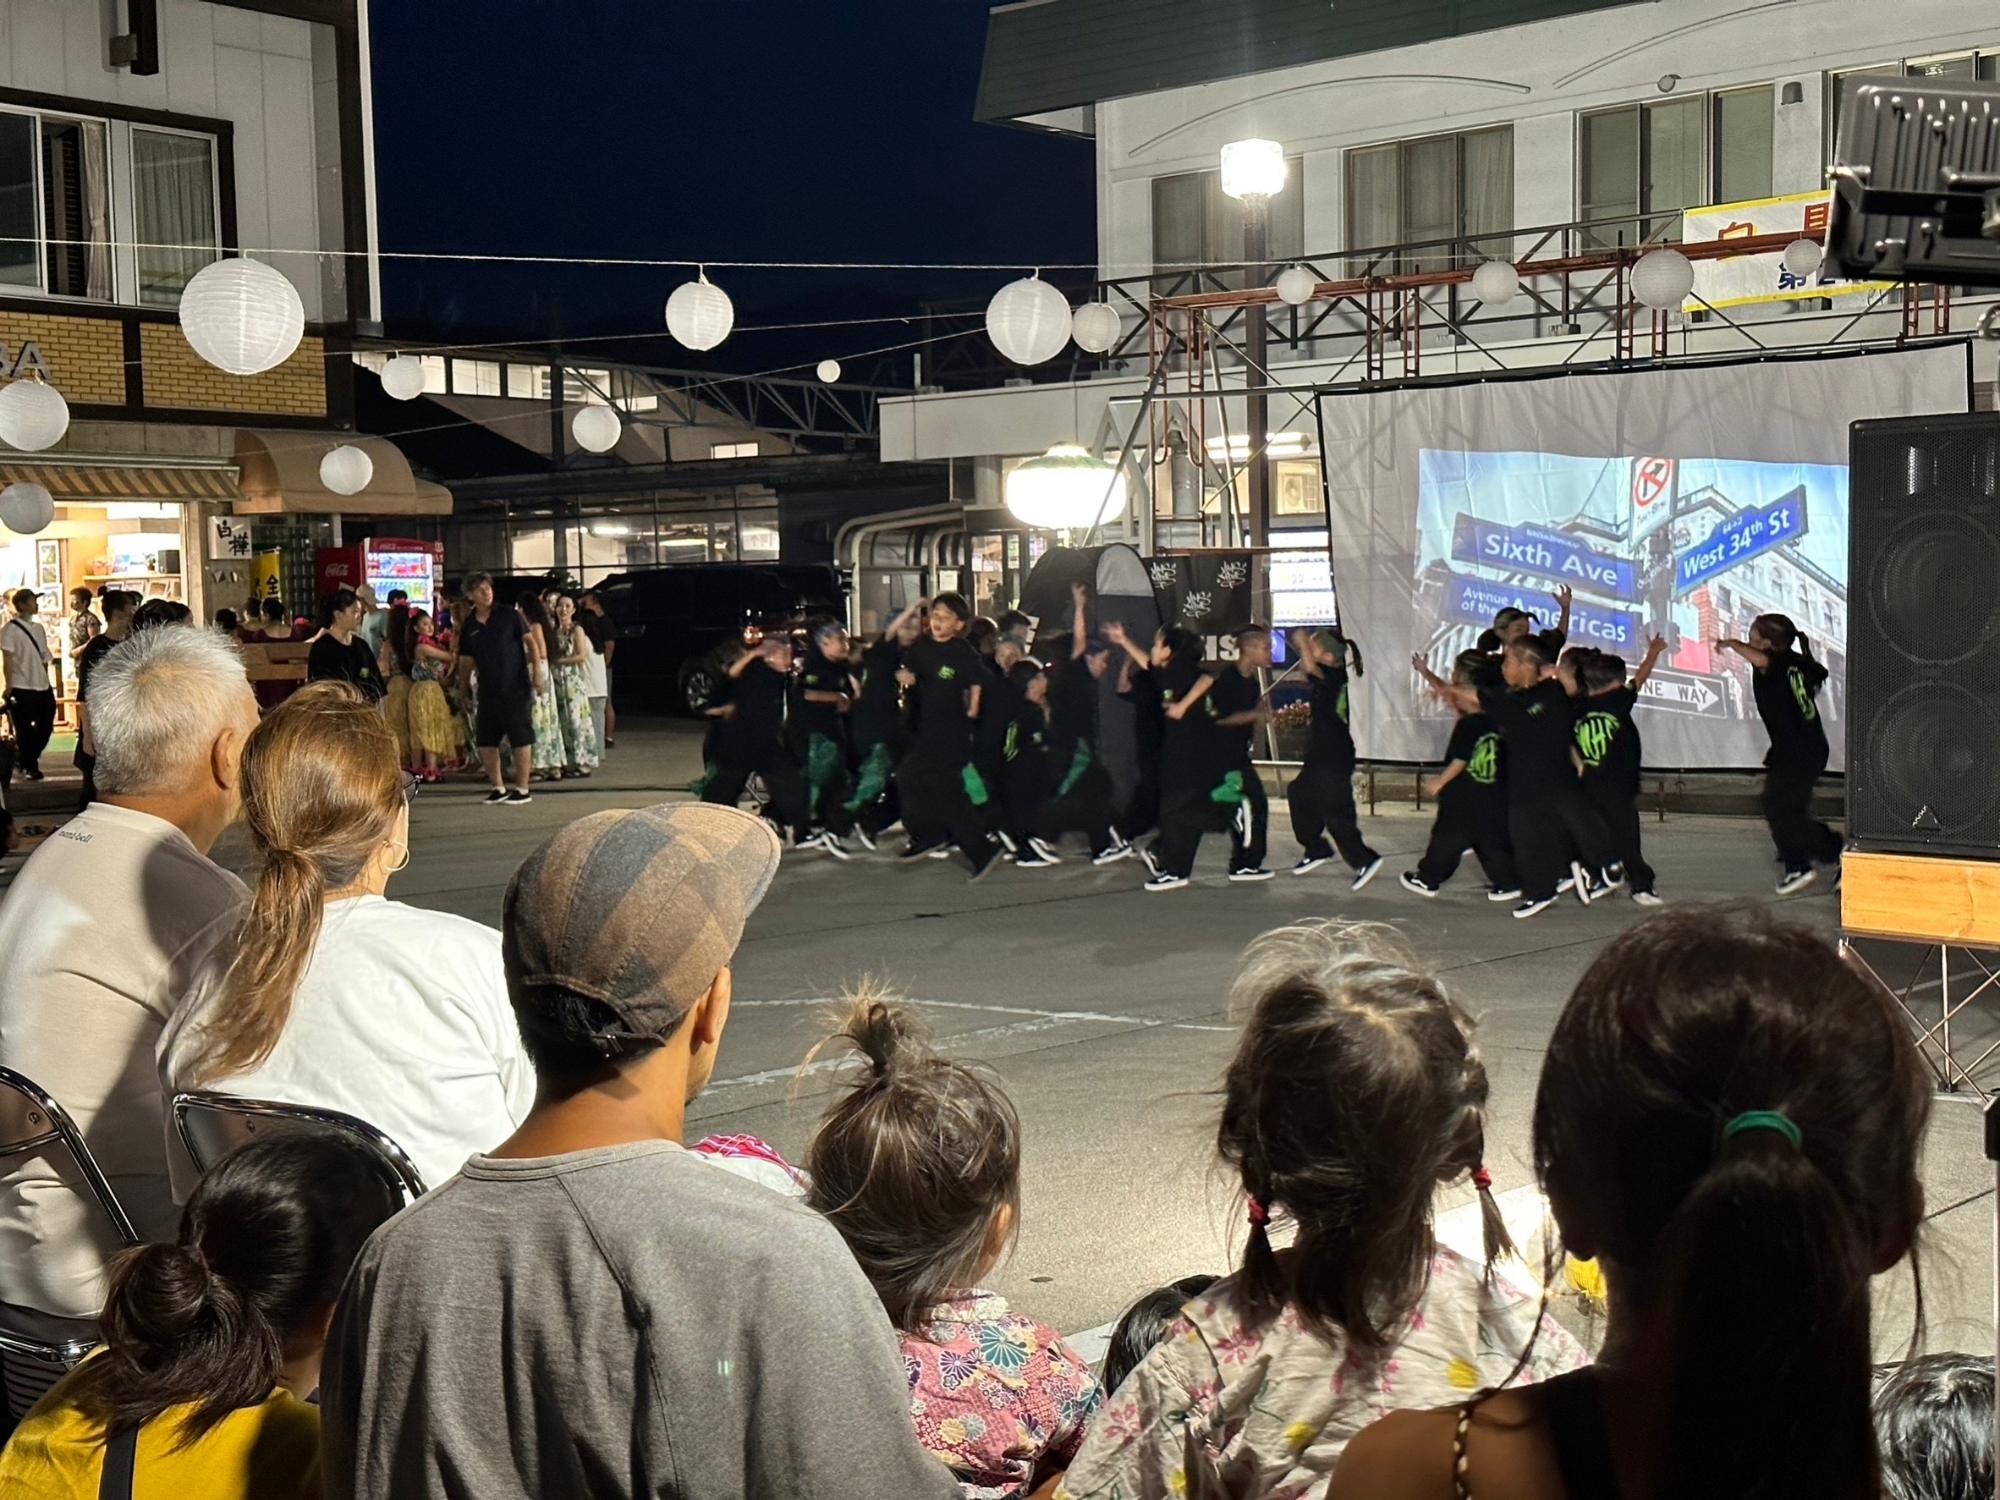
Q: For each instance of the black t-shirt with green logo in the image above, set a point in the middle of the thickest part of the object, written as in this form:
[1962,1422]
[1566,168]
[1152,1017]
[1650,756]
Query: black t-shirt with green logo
[1785,691]
[1331,742]
[1607,741]
[945,671]
[1537,723]
[822,675]
[1475,741]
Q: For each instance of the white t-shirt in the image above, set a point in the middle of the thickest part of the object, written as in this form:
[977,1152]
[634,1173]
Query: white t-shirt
[593,665]
[25,645]
[105,923]
[401,1019]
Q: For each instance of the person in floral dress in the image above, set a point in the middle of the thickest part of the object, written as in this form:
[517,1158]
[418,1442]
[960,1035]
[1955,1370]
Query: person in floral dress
[1354,1094]
[918,1166]
[567,650]
[550,753]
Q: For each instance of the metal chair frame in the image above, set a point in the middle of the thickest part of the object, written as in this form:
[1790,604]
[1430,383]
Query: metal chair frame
[398,1171]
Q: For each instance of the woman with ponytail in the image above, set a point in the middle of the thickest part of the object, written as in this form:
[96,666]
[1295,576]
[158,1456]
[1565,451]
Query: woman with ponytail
[1729,1122]
[212,1343]
[1355,1095]
[329,994]
[1785,679]
[918,1166]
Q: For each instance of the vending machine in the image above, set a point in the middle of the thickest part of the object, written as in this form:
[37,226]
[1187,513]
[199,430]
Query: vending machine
[385,563]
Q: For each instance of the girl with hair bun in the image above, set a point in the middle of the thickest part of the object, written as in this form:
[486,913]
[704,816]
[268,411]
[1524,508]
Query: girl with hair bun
[1354,1095]
[918,1166]
[213,1342]
[1729,1121]
[1785,679]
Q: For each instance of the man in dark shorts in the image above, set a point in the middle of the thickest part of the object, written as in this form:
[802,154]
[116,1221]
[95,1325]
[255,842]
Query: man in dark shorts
[494,643]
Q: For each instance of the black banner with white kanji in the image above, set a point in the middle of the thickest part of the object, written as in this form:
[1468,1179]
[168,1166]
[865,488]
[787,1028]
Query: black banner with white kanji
[1208,593]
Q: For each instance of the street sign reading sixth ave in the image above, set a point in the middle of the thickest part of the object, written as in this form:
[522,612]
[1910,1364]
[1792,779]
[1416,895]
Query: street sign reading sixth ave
[1542,553]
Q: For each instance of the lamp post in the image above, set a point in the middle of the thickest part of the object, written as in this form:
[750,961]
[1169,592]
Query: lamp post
[1252,171]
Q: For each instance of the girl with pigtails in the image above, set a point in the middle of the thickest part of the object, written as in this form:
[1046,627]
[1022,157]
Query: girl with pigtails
[1785,679]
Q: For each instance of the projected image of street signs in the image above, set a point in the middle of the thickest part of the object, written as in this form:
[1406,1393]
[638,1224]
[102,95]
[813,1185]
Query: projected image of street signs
[1689,548]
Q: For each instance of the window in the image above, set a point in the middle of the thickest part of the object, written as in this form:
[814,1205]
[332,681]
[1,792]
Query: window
[1455,188]
[1195,223]
[732,450]
[528,382]
[1959,66]
[475,377]
[173,211]
[62,236]
[1645,163]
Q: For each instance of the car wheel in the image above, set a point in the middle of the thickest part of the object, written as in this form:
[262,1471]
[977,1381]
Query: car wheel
[697,687]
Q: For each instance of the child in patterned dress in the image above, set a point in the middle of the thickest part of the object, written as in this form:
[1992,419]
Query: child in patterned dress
[919,1168]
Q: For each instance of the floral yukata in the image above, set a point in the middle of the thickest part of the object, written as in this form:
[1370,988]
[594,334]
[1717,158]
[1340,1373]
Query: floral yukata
[994,1395]
[1222,1408]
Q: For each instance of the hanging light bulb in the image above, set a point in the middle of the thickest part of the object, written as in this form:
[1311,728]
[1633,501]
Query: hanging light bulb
[33,416]
[346,470]
[1662,279]
[26,508]
[1295,286]
[1066,489]
[1028,321]
[596,429]
[403,377]
[828,371]
[242,315]
[700,314]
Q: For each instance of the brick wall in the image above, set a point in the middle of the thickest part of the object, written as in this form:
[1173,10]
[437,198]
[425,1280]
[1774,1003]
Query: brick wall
[85,356]
[178,377]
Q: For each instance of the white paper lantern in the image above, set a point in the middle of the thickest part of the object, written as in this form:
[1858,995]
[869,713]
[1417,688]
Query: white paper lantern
[1295,286]
[1802,257]
[26,508]
[1253,169]
[346,470]
[1066,489]
[700,314]
[1028,321]
[33,416]
[1662,279]
[242,315]
[1494,283]
[828,370]
[403,377]
[1096,326]
[596,429]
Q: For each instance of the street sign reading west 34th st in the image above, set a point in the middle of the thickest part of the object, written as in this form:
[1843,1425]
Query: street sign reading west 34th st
[1740,537]
[1686,693]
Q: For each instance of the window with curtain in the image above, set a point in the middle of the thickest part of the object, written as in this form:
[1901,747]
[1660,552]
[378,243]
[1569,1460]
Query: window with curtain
[174,216]
[20,215]
[1195,223]
[76,208]
[1441,187]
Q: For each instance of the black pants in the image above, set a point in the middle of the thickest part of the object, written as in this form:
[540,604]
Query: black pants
[936,807]
[1549,831]
[1186,813]
[34,716]
[1086,806]
[736,764]
[1246,849]
[1321,798]
[1475,820]
[1802,840]
[1024,795]
[1618,806]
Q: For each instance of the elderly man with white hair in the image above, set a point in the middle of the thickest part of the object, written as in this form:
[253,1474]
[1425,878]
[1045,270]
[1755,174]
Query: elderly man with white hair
[98,936]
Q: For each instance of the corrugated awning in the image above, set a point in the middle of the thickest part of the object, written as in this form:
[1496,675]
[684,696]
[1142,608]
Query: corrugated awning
[89,483]
[280,476]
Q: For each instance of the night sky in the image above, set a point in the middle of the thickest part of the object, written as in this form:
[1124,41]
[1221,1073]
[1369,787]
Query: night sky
[748,130]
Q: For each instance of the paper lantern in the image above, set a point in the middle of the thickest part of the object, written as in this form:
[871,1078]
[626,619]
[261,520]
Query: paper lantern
[346,470]
[33,416]
[700,314]
[1295,286]
[1253,169]
[1802,257]
[1494,283]
[1066,489]
[26,508]
[596,429]
[242,315]
[403,377]
[1028,321]
[1661,279]
[1096,326]
[828,370]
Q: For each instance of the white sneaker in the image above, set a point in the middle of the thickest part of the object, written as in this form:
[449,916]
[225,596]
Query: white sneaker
[1112,855]
[1045,850]
[1414,883]
[1796,880]
[1533,908]
[1165,882]
[1310,863]
[1503,893]
[1647,898]
[1259,873]
[1367,872]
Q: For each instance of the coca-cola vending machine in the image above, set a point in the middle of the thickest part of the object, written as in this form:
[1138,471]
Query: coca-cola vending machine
[384,563]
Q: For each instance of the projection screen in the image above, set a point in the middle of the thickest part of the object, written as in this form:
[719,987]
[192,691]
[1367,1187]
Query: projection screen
[1684,501]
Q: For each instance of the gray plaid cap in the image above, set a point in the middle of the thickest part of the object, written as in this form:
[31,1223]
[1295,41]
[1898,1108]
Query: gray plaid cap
[637,909]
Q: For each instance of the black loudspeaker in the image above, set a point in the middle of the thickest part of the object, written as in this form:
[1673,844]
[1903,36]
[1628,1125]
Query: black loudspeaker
[1923,652]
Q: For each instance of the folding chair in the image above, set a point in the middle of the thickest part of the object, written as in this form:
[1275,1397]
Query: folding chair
[210,1126]
[35,1349]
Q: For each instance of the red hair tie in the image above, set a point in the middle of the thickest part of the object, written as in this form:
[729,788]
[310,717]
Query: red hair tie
[1259,1214]
[1482,1179]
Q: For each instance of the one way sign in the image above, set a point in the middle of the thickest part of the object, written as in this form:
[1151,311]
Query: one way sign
[1686,693]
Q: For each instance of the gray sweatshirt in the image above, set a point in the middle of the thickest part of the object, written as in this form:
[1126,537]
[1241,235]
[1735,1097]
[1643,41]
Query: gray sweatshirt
[621,1322]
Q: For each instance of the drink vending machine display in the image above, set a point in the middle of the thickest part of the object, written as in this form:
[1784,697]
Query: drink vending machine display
[385,563]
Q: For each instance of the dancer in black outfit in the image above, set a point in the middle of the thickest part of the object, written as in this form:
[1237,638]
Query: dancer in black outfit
[949,679]
[1786,681]
[1080,787]
[1607,744]
[1236,696]
[1196,794]
[750,737]
[881,734]
[1321,796]
[1471,793]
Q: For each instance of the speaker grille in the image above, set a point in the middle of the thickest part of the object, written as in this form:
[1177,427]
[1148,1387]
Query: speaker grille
[1923,693]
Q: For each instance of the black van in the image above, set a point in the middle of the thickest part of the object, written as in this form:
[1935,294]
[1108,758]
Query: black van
[675,622]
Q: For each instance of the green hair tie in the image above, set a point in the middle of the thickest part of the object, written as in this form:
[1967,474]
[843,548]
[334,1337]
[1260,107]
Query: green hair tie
[1765,1119]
